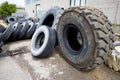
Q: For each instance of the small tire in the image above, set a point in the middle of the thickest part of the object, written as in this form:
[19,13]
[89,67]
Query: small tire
[50,18]
[31,30]
[12,19]
[43,42]
[85,37]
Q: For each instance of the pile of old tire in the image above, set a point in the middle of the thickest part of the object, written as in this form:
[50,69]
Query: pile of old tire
[2,28]
[5,34]
[22,29]
[84,35]
[11,19]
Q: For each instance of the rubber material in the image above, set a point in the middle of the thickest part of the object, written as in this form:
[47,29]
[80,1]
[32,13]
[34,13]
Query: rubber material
[85,37]
[43,42]
[17,28]
[12,19]
[31,30]
[7,33]
[51,17]
[2,29]
[23,31]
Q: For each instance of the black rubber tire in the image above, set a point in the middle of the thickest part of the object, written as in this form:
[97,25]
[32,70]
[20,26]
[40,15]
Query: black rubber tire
[93,44]
[24,29]
[17,28]
[1,43]
[7,33]
[43,42]
[2,29]
[12,19]
[0,49]
[50,18]
[36,20]
[31,31]
[115,44]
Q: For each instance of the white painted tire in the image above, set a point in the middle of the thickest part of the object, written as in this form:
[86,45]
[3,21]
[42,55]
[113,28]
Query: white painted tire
[48,43]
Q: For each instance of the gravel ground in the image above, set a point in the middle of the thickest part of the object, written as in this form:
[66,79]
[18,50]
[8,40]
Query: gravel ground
[26,67]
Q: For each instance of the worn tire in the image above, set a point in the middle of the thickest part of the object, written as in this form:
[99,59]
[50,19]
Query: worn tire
[51,17]
[85,37]
[17,28]
[0,49]
[31,30]
[2,29]
[43,42]
[12,19]
[24,29]
[7,33]
[1,43]
[36,20]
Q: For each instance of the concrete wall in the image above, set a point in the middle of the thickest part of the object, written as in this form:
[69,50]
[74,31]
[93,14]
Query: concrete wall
[111,8]
[44,6]
[30,9]
[20,10]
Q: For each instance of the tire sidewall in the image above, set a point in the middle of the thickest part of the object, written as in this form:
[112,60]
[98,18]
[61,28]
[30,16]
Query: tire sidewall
[37,52]
[87,54]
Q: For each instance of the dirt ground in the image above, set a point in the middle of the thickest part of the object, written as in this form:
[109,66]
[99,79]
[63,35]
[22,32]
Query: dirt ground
[26,67]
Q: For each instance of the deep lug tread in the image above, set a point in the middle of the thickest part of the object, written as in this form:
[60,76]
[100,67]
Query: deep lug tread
[102,30]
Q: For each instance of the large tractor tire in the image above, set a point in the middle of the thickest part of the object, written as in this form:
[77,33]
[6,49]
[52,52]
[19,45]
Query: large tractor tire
[85,37]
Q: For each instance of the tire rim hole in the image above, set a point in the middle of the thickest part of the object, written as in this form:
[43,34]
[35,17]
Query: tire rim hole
[40,40]
[73,37]
[49,20]
[12,20]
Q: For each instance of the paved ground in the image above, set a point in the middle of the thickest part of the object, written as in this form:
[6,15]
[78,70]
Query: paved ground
[25,67]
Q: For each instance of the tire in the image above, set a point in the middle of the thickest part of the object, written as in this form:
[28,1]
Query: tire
[1,29]
[1,43]
[17,28]
[12,19]
[36,20]
[23,31]
[3,23]
[50,18]
[44,48]
[0,49]
[116,43]
[31,31]
[85,37]
[7,33]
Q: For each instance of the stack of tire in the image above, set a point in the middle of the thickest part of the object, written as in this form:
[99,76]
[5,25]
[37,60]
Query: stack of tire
[84,35]
[21,29]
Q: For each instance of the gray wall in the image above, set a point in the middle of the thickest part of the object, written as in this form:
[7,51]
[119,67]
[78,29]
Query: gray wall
[44,6]
[111,8]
